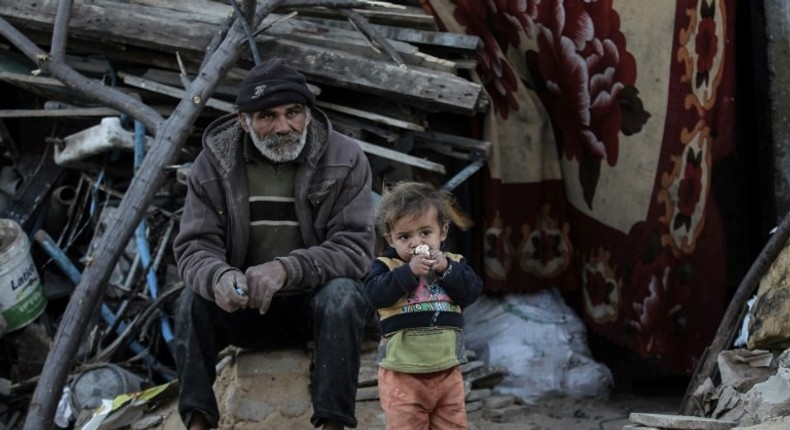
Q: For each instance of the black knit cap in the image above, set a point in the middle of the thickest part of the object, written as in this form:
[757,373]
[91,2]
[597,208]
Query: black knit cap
[273,83]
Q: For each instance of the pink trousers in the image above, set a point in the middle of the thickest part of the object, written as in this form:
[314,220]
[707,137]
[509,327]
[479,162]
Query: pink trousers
[423,401]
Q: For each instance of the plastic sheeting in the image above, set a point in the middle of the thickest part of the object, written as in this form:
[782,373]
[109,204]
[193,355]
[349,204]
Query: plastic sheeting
[542,343]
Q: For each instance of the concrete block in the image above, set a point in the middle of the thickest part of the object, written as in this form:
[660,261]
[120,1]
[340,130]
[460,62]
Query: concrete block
[267,383]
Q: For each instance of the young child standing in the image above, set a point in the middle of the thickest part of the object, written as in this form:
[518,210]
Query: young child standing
[420,291]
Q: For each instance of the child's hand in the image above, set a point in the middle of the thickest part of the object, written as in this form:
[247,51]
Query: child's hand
[421,263]
[441,262]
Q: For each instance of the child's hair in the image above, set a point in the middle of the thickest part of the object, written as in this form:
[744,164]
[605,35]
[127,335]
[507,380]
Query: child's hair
[409,198]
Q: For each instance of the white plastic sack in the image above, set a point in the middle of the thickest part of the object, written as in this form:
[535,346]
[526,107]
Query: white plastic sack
[542,343]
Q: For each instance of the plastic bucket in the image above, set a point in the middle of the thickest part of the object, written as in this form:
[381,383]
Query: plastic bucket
[106,381]
[22,297]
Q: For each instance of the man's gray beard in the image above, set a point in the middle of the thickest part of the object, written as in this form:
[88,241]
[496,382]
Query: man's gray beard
[280,148]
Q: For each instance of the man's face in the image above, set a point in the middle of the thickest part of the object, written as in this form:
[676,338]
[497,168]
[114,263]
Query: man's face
[280,132]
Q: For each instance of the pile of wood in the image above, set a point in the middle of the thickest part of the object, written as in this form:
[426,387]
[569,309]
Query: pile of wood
[381,73]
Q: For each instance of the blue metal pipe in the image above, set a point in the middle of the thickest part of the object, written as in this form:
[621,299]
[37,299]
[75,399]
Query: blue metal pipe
[143,248]
[62,261]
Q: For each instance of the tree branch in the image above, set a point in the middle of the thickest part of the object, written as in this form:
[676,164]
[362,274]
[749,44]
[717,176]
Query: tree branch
[71,78]
[58,49]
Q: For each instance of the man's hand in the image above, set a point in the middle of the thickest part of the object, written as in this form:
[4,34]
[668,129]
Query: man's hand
[265,280]
[229,289]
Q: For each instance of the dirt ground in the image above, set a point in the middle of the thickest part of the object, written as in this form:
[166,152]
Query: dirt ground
[582,414]
[272,393]
[557,414]
[549,414]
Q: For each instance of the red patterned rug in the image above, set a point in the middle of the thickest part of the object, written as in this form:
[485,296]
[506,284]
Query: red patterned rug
[608,120]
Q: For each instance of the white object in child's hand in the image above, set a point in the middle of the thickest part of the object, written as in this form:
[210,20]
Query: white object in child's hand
[422,250]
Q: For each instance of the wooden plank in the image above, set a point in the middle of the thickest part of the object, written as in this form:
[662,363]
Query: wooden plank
[111,21]
[51,113]
[211,7]
[371,116]
[452,41]
[401,157]
[407,17]
[353,42]
[462,144]
[428,90]
[354,126]
[18,78]
[172,91]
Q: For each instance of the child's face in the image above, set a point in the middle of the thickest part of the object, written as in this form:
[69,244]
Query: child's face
[411,231]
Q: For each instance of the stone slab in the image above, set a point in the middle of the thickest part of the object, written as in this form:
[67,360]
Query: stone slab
[680,422]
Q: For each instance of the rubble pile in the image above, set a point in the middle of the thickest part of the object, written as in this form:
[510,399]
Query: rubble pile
[751,386]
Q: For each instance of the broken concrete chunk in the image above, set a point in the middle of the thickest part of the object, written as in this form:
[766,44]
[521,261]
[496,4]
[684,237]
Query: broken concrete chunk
[729,399]
[767,399]
[249,396]
[499,401]
[505,415]
[742,368]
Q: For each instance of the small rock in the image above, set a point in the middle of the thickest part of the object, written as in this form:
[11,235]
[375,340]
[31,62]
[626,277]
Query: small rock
[480,394]
[499,401]
[505,415]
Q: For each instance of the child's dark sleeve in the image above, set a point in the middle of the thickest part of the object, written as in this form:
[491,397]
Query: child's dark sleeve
[383,287]
[461,282]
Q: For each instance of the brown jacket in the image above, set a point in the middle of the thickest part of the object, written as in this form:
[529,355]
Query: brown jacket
[334,207]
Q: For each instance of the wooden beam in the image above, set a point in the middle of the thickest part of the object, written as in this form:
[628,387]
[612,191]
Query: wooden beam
[18,78]
[429,90]
[53,113]
[371,116]
[401,157]
[353,42]
[174,92]
[452,41]
[406,17]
